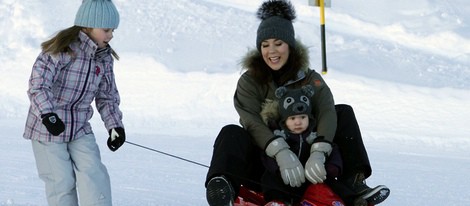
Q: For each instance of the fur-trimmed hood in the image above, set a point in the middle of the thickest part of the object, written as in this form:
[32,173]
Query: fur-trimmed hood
[253,62]
[254,58]
[270,112]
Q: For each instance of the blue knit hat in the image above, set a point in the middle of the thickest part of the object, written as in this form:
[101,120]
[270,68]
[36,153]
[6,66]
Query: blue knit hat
[97,14]
[276,22]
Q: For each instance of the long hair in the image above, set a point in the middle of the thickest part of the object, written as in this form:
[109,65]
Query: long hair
[61,41]
[263,73]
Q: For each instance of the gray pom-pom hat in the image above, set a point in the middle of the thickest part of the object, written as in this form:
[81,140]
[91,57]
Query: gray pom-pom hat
[276,22]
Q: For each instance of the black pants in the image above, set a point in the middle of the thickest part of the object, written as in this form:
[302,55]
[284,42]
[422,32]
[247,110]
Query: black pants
[237,157]
[355,159]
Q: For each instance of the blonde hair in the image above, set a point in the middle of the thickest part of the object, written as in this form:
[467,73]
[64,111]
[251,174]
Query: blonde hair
[61,41]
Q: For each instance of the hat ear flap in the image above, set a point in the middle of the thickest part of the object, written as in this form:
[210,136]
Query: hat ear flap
[280,92]
[308,90]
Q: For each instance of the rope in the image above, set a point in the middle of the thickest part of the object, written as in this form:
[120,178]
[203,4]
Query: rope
[168,154]
[203,165]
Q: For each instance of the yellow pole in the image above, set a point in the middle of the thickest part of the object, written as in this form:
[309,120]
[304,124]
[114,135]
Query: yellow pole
[323,40]
[322,12]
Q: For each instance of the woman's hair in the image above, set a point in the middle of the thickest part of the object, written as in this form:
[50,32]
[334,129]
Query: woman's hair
[60,42]
[263,73]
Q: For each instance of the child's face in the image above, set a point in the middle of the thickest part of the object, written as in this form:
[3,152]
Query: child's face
[100,36]
[297,123]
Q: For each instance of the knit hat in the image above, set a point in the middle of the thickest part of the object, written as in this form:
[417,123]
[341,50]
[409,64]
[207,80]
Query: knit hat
[276,22]
[97,14]
[294,102]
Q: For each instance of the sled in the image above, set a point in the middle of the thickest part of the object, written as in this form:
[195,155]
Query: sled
[315,195]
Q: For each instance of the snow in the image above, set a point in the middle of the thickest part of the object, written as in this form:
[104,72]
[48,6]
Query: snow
[404,67]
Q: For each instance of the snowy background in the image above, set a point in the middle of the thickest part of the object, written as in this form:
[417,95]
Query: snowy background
[403,65]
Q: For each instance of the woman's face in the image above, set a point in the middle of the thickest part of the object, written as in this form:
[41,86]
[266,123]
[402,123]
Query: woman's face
[100,36]
[275,53]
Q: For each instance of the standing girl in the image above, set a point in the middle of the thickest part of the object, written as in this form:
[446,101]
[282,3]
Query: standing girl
[74,69]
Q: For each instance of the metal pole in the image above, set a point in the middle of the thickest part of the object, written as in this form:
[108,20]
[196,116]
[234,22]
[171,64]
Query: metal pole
[323,40]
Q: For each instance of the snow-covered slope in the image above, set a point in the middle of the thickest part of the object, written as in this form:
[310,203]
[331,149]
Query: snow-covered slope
[404,66]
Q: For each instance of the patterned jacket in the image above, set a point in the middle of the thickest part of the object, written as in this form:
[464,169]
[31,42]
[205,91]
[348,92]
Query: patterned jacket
[67,85]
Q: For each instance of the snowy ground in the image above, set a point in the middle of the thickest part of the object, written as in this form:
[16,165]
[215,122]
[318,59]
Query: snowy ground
[403,66]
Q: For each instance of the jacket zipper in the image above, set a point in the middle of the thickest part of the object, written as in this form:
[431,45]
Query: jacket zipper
[79,97]
[300,144]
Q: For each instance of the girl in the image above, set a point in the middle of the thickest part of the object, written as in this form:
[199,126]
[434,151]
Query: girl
[75,68]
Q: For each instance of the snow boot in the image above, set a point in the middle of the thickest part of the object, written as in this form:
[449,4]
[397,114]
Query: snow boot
[360,202]
[376,195]
[372,196]
[219,192]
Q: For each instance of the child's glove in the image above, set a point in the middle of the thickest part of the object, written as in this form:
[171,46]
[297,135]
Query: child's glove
[116,139]
[53,123]
[292,172]
[315,166]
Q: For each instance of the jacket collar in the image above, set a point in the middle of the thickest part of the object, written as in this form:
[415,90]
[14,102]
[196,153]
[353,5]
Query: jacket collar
[86,44]
[89,47]
[300,76]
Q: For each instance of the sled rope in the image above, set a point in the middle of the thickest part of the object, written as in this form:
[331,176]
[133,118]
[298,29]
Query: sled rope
[203,165]
[168,154]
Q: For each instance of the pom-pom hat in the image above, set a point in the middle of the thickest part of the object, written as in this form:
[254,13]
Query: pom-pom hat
[276,22]
[97,14]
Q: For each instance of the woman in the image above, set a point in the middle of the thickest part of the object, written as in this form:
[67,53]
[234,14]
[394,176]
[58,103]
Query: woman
[280,60]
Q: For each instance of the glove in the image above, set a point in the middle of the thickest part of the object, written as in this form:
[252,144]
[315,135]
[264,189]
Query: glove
[53,123]
[116,139]
[292,172]
[315,166]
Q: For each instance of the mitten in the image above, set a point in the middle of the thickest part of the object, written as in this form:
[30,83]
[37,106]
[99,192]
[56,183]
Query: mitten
[315,166]
[291,169]
[116,139]
[53,123]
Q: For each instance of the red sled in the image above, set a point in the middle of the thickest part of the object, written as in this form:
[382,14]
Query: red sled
[315,195]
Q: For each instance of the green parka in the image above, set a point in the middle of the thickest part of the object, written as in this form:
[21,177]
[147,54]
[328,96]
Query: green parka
[250,95]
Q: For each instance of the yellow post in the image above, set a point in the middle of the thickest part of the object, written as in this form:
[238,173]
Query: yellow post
[323,40]
[322,12]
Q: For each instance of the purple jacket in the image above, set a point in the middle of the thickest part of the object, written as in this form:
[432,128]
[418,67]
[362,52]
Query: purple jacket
[67,85]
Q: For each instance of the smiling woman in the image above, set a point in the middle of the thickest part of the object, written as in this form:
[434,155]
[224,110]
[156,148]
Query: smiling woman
[257,152]
[275,53]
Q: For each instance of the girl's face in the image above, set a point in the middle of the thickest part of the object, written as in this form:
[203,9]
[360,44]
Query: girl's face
[297,123]
[100,36]
[275,53]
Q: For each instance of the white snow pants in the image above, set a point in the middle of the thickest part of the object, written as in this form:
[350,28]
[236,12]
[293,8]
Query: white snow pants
[68,167]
